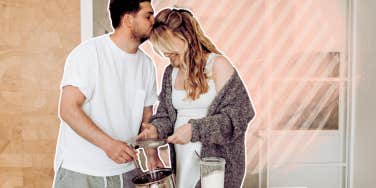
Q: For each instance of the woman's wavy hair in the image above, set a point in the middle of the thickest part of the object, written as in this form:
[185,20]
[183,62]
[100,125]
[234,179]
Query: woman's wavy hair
[182,24]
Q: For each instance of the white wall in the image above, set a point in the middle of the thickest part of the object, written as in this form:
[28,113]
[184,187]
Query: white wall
[364,122]
[86,9]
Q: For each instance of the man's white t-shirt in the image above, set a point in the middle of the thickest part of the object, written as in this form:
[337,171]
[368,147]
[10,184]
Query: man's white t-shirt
[117,86]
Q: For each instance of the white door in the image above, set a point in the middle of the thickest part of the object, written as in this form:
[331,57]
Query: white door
[299,137]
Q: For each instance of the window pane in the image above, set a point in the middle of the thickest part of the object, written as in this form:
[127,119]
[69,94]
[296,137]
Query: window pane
[306,105]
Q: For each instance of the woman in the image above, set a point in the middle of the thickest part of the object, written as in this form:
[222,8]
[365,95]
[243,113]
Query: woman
[204,105]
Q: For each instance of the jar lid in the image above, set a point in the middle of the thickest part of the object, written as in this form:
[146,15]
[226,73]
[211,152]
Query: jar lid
[213,161]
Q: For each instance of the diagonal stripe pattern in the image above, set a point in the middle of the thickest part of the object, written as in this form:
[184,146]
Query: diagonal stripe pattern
[289,53]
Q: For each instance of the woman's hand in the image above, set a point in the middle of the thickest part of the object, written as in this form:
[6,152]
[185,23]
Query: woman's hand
[182,135]
[147,131]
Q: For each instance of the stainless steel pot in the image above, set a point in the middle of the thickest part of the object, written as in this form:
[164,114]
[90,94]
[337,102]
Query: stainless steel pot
[152,153]
[158,178]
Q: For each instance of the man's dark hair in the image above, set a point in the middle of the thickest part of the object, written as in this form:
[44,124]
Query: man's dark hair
[118,8]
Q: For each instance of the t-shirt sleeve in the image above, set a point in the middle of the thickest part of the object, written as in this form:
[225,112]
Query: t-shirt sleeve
[80,70]
[151,90]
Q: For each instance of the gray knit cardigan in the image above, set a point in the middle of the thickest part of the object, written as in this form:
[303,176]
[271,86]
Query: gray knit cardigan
[221,132]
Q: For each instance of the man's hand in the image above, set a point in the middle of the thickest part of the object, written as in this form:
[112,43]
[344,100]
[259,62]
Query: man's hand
[147,131]
[182,135]
[120,152]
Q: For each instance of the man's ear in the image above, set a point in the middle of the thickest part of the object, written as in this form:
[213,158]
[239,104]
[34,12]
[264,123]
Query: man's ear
[127,20]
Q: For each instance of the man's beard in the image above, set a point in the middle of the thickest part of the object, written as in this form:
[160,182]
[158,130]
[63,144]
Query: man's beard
[140,37]
[143,39]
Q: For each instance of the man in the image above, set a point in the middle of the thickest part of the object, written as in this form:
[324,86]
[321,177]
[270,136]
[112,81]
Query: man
[107,91]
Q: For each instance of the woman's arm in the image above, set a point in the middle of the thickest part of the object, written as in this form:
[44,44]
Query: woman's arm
[162,120]
[233,108]
[222,71]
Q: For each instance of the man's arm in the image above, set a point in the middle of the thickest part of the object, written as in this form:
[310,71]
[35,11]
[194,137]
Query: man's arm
[71,112]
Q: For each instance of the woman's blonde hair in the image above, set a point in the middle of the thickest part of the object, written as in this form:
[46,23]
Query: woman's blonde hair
[182,24]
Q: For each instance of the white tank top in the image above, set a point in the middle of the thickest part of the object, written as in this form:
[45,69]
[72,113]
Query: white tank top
[187,163]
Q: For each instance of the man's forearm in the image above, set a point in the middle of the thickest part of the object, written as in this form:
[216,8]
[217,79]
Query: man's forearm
[76,118]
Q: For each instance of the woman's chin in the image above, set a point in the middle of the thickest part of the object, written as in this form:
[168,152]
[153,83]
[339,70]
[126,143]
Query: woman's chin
[174,63]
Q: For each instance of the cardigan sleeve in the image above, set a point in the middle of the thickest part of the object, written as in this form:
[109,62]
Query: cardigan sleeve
[233,111]
[161,120]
